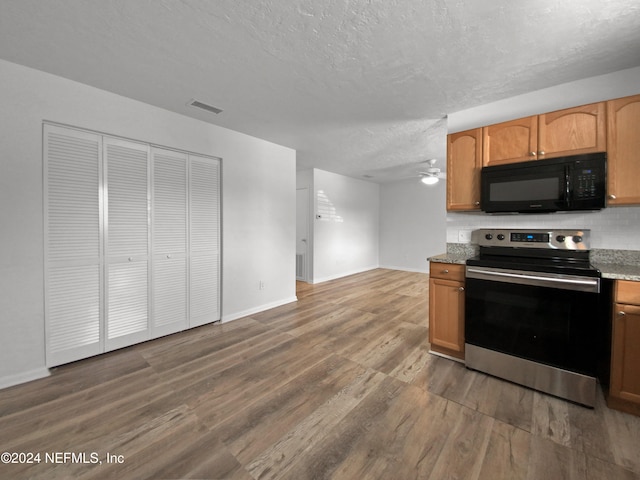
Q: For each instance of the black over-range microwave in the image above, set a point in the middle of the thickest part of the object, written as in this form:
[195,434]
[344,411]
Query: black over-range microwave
[559,184]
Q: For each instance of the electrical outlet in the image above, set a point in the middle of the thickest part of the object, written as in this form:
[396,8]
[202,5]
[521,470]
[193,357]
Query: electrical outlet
[464,236]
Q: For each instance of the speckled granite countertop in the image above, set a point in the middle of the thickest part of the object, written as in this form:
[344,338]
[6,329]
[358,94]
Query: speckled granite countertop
[617,264]
[614,264]
[448,258]
[456,253]
[619,272]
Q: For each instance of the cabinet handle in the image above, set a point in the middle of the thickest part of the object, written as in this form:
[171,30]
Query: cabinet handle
[477,204]
[621,314]
[541,152]
[130,259]
[532,154]
[445,271]
[612,197]
[461,289]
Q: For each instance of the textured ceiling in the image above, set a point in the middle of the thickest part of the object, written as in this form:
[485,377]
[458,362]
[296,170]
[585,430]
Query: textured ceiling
[355,86]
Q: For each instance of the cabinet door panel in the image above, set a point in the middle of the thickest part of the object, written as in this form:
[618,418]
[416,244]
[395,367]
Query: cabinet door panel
[623,145]
[572,131]
[446,315]
[510,142]
[464,161]
[625,360]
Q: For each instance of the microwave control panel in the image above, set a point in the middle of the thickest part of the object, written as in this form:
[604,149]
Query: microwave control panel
[586,181]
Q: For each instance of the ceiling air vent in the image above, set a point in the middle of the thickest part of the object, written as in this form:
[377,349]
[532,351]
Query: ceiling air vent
[209,108]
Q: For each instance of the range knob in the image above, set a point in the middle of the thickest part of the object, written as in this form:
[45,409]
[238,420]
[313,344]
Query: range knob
[560,238]
[577,239]
[500,236]
[488,236]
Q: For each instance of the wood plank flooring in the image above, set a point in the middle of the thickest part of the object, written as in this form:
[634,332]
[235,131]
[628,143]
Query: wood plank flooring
[338,385]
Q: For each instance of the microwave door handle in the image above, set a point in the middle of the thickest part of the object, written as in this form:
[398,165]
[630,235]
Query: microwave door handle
[567,185]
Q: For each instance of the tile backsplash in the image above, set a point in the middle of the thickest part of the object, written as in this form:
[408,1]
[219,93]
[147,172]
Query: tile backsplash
[611,228]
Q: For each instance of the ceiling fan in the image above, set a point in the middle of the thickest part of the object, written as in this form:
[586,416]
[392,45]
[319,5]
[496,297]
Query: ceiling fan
[432,174]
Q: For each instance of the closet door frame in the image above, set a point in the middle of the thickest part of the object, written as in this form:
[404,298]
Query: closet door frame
[105,260]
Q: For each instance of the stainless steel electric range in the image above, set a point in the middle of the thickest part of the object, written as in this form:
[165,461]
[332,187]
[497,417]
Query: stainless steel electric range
[533,311]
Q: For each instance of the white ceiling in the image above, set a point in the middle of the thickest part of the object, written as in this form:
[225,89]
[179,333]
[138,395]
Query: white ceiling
[358,87]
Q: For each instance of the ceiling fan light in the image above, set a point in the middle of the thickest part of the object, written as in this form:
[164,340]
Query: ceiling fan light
[429,180]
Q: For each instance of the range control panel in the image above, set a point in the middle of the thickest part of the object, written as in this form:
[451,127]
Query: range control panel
[534,238]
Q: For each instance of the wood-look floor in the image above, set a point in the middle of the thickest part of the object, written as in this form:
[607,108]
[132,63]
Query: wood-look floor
[337,385]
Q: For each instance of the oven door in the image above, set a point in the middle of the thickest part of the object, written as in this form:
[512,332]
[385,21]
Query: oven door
[541,317]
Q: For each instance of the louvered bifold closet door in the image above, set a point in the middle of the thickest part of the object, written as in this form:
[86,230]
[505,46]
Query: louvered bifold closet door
[169,241]
[73,250]
[204,271]
[126,167]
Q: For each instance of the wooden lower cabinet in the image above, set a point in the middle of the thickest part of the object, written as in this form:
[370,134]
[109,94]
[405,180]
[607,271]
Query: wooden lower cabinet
[624,388]
[446,309]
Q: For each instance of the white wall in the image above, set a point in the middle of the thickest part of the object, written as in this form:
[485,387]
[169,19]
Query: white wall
[581,92]
[614,227]
[611,228]
[413,224]
[346,236]
[258,203]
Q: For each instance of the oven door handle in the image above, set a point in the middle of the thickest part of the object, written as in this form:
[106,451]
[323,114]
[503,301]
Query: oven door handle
[565,282]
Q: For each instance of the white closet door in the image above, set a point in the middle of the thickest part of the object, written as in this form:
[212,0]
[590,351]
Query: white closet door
[169,241]
[73,245]
[126,167]
[204,267]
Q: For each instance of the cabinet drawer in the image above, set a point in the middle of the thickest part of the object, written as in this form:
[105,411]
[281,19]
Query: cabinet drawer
[448,271]
[628,292]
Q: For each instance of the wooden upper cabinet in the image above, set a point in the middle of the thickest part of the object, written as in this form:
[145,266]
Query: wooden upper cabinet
[510,142]
[623,147]
[464,161]
[572,131]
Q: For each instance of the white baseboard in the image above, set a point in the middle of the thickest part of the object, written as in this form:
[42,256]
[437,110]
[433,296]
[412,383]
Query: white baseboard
[24,377]
[407,269]
[245,313]
[344,274]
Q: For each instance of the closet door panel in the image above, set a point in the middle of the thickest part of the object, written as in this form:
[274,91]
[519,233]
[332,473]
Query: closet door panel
[127,198]
[127,304]
[170,296]
[73,246]
[169,241]
[204,281]
[73,313]
[127,242]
